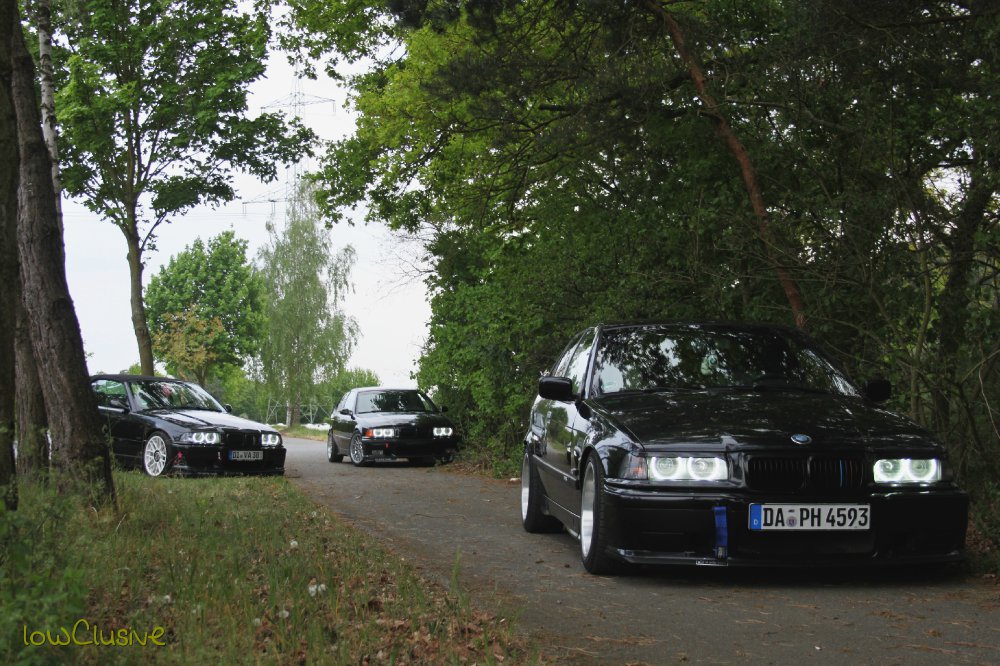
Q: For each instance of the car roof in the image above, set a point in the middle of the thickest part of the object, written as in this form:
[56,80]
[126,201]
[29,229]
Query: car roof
[694,323]
[385,388]
[134,378]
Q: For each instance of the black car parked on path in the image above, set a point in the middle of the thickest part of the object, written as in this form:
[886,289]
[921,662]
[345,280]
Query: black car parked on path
[719,444]
[162,425]
[380,423]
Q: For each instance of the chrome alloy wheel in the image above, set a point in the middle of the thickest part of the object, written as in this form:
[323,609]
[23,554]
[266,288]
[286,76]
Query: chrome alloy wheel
[154,456]
[357,451]
[525,486]
[587,500]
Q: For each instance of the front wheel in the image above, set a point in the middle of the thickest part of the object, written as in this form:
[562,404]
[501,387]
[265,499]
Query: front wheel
[357,451]
[331,450]
[533,519]
[593,515]
[157,455]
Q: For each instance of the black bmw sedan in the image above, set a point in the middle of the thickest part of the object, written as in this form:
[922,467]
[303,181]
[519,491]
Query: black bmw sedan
[727,444]
[378,423]
[163,425]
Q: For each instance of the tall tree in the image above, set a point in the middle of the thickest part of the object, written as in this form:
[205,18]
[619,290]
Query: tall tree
[80,455]
[9,295]
[308,339]
[206,307]
[154,116]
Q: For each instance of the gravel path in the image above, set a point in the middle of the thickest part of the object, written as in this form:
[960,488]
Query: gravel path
[448,524]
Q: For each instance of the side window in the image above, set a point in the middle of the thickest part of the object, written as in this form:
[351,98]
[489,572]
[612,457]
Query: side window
[577,370]
[342,404]
[559,369]
[109,392]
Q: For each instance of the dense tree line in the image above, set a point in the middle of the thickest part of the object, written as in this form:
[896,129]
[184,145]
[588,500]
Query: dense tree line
[574,162]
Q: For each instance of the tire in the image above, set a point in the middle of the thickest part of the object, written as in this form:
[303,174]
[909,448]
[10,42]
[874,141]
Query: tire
[331,450]
[593,515]
[157,455]
[533,519]
[357,451]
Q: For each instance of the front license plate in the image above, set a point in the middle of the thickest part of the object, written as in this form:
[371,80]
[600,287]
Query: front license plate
[246,455]
[809,517]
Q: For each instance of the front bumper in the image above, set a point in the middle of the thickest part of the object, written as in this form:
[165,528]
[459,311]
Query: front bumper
[197,460]
[653,527]
[410,447]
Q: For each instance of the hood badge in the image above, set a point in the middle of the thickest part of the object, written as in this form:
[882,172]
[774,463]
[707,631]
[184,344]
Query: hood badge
[802,439]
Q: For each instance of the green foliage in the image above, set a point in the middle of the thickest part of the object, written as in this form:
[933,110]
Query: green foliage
[206,308]
[42,583]
[152,100]
[559,162]
[308,339]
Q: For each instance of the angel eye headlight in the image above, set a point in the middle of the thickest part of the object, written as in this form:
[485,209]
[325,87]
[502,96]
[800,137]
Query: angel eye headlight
[442,432]
[380,433]
[688,468]
[270,439]
[907,470]
[202,437]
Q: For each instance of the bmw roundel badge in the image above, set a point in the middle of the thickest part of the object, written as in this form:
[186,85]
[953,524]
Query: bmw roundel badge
[802,439]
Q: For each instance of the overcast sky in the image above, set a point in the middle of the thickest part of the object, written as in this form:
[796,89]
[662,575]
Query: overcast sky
[389,303]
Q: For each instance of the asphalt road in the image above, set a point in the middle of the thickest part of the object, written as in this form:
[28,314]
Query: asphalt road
[444,522]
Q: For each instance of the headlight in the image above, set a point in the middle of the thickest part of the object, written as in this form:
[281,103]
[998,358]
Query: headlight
[688,468]
[676,468]
[380,433]
[442,432]
[270,439]
[201,437]
[907,470]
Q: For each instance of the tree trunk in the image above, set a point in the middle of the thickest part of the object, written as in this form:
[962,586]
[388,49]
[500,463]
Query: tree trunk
[43,23]
[739,151]
[32,424]
[80,456]
[8,253]
[139,323]
[953,304]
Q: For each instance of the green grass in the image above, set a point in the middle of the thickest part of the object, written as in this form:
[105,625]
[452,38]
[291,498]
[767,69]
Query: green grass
[225,568]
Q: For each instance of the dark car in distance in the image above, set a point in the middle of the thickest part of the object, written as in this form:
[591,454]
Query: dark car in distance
[381,423]
[167,425]
[730,444]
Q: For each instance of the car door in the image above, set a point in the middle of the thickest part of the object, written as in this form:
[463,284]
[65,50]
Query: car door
[114,407]
[561,438]
[341,424]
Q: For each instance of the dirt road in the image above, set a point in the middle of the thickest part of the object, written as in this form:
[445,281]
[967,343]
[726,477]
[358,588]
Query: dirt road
[449,524]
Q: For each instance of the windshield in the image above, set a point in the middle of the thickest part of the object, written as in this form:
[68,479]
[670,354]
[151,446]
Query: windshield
[154,394]
[698,358]
[394,401]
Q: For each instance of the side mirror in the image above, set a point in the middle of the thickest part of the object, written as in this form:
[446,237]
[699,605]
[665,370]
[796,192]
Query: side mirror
[229,408]
[346,412]
[877,390]
[556,388]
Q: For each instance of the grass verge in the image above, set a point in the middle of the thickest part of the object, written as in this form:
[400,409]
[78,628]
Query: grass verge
[303,432]
[221,571]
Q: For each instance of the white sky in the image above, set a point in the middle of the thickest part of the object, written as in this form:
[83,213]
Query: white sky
[389,303]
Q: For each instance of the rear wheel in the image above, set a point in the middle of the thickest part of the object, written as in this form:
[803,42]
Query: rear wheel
[532,517]
[157,455]
[331,450]
[357,451]
[593,512]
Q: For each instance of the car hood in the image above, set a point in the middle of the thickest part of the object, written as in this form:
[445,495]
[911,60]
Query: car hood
[197,418]
[382,419]
[751,419]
